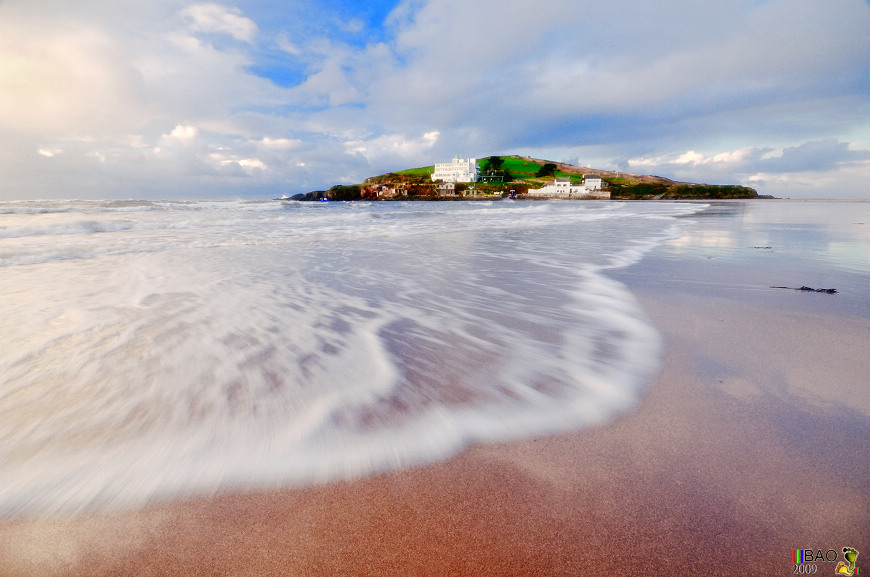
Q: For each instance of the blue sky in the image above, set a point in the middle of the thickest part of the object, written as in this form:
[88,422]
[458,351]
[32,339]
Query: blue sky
[170,98]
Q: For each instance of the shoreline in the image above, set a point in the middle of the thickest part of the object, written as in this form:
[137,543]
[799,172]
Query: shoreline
[748,444]
[710,460]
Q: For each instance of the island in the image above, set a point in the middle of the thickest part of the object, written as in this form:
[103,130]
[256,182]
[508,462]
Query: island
[521,177]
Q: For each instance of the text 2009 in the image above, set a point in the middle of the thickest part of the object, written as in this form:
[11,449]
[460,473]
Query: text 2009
[802,569]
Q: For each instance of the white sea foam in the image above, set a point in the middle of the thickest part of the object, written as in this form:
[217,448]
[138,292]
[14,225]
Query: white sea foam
[153,350]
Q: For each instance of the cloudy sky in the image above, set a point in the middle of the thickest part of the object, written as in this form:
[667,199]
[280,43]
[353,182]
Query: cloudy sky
[253,98]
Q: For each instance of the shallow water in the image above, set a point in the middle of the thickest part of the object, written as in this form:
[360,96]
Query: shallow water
[743,249]
[154,350]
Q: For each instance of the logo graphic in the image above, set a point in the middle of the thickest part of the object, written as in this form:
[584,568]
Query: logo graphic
[850,554]
[806,561]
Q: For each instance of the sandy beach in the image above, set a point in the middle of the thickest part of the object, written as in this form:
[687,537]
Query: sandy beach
[754,440]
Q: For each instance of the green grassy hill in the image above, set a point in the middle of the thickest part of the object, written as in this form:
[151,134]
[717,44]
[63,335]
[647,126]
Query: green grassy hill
[527,171]
[422,171]
[621,185]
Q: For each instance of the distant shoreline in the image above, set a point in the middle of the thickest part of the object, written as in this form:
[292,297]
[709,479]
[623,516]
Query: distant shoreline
[520,177]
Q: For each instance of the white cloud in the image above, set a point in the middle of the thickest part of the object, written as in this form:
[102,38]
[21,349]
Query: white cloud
[640,72]
[811,169]
[231,160]
[183,133]
[690,157]
[61,79]
[818,156]
[98,155]
[215,18]
[813,156]
[849,182]
[280,143]
[693,158]
[164,94]
[393,147]
[287,46]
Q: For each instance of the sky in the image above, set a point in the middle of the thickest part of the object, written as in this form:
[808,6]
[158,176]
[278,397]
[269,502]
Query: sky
[159,99]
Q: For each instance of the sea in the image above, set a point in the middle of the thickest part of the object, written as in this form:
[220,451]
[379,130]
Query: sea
[156,350]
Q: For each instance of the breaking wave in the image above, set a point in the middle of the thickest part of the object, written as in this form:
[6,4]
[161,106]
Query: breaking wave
[182,348]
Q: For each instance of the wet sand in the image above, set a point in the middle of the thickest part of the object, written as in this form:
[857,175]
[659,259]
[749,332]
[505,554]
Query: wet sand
[754,440]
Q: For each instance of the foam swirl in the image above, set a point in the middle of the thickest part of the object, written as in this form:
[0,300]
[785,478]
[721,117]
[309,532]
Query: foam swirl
[167,349]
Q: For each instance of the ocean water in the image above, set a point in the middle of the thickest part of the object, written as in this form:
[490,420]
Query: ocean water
[154,350]
[740,250]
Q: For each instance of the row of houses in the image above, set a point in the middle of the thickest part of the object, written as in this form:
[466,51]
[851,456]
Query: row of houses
[466,170]
[563,188]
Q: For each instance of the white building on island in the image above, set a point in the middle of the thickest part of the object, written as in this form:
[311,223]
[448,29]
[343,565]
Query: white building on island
[592,182]
[561,187]
[457,170]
